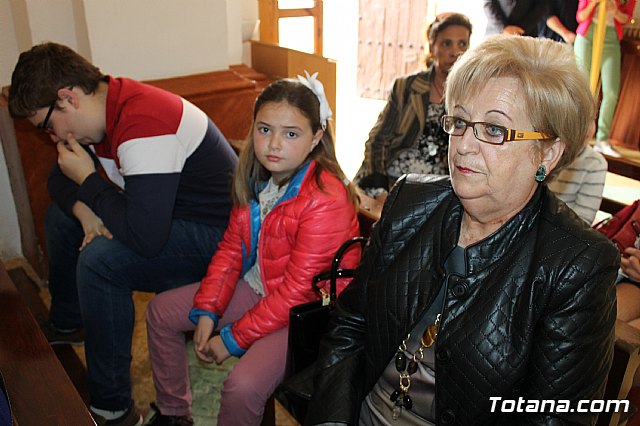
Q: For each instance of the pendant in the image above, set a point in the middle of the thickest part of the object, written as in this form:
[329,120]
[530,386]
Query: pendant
[401,361]
[429,336]
[394,395]
[407,402]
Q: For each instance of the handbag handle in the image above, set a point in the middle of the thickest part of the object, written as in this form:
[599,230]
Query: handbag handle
[335,271]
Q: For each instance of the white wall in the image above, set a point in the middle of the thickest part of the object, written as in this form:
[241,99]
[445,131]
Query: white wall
[8,43]
[51,20]
[142,39]
[150,39]
[10,246]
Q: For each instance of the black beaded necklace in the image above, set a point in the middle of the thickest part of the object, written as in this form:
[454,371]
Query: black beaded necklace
[400,397]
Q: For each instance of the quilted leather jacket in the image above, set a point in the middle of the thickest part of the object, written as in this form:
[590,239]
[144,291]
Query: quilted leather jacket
[534,318]
[298,239]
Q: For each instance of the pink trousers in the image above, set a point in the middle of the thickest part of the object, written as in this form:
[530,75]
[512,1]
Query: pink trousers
[251,382]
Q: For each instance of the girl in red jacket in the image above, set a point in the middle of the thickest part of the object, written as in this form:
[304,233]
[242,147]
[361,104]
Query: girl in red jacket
[292,210]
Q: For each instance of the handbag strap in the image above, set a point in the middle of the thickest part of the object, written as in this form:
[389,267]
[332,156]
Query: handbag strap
[335,272]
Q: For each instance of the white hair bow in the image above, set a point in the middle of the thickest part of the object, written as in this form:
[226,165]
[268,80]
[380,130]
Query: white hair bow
[318,89]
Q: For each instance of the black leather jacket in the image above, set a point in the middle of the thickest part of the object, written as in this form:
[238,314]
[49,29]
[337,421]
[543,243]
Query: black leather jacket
[533,319]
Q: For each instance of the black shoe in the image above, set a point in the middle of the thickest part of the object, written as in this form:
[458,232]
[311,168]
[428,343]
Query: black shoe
[155,418]
[56,336]
[129,418]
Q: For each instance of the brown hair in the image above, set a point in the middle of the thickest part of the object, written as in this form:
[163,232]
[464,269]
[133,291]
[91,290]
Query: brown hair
[42,71]
[250,173]
[556,92]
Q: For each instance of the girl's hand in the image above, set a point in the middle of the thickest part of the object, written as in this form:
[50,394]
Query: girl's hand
[204,328]
[630,263]
[218,349]
[74,161]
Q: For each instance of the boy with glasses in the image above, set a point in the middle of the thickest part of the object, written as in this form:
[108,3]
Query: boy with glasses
[141,199]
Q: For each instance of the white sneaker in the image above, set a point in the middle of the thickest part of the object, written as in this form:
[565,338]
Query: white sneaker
[605,148]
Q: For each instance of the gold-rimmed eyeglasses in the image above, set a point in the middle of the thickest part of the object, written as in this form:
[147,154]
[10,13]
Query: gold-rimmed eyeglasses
[488,132]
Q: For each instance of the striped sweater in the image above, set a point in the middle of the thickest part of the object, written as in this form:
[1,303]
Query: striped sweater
[581,183]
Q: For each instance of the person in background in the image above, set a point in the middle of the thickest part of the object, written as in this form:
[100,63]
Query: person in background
[560,24]
[407,138]
[480,288]
[150,222]
[628,291]
[619,12]
[292,211]
[581,183]
[514,17]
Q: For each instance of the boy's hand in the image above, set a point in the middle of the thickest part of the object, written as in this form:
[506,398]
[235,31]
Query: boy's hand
[91,224]
[74,161]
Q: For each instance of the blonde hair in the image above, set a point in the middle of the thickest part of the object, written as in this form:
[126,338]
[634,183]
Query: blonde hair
[556,92]
[250,173]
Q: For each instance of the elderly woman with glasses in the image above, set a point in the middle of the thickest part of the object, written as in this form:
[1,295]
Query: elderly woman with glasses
[481,297]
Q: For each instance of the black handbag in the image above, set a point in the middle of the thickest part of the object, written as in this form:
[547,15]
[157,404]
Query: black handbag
[307,323]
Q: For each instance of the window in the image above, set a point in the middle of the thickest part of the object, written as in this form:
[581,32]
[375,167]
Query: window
[300,17]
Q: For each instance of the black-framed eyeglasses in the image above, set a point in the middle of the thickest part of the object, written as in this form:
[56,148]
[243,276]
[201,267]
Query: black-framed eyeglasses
[44,126]
[488,132]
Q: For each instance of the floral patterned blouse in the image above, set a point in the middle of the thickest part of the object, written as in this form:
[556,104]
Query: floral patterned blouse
[429,155]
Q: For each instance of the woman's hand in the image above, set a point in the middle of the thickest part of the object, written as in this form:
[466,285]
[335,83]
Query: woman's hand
[630,263]
[204,328]
[92,225]
[74,161]
[569,37]
[513,30]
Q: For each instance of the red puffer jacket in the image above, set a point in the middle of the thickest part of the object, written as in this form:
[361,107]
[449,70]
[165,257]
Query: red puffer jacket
[298,239]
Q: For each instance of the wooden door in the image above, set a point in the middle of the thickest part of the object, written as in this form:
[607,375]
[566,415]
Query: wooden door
[390,43]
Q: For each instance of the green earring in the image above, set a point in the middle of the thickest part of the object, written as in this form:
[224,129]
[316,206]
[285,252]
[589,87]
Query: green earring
[541,173]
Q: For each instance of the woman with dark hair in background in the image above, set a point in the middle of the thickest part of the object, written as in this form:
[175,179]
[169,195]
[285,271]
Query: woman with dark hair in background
[407,138]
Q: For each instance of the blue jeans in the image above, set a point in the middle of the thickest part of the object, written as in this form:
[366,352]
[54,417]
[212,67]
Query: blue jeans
[93,288]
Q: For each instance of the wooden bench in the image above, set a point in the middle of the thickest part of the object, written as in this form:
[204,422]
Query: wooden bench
[627,166]
[626,359]
[39,389]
